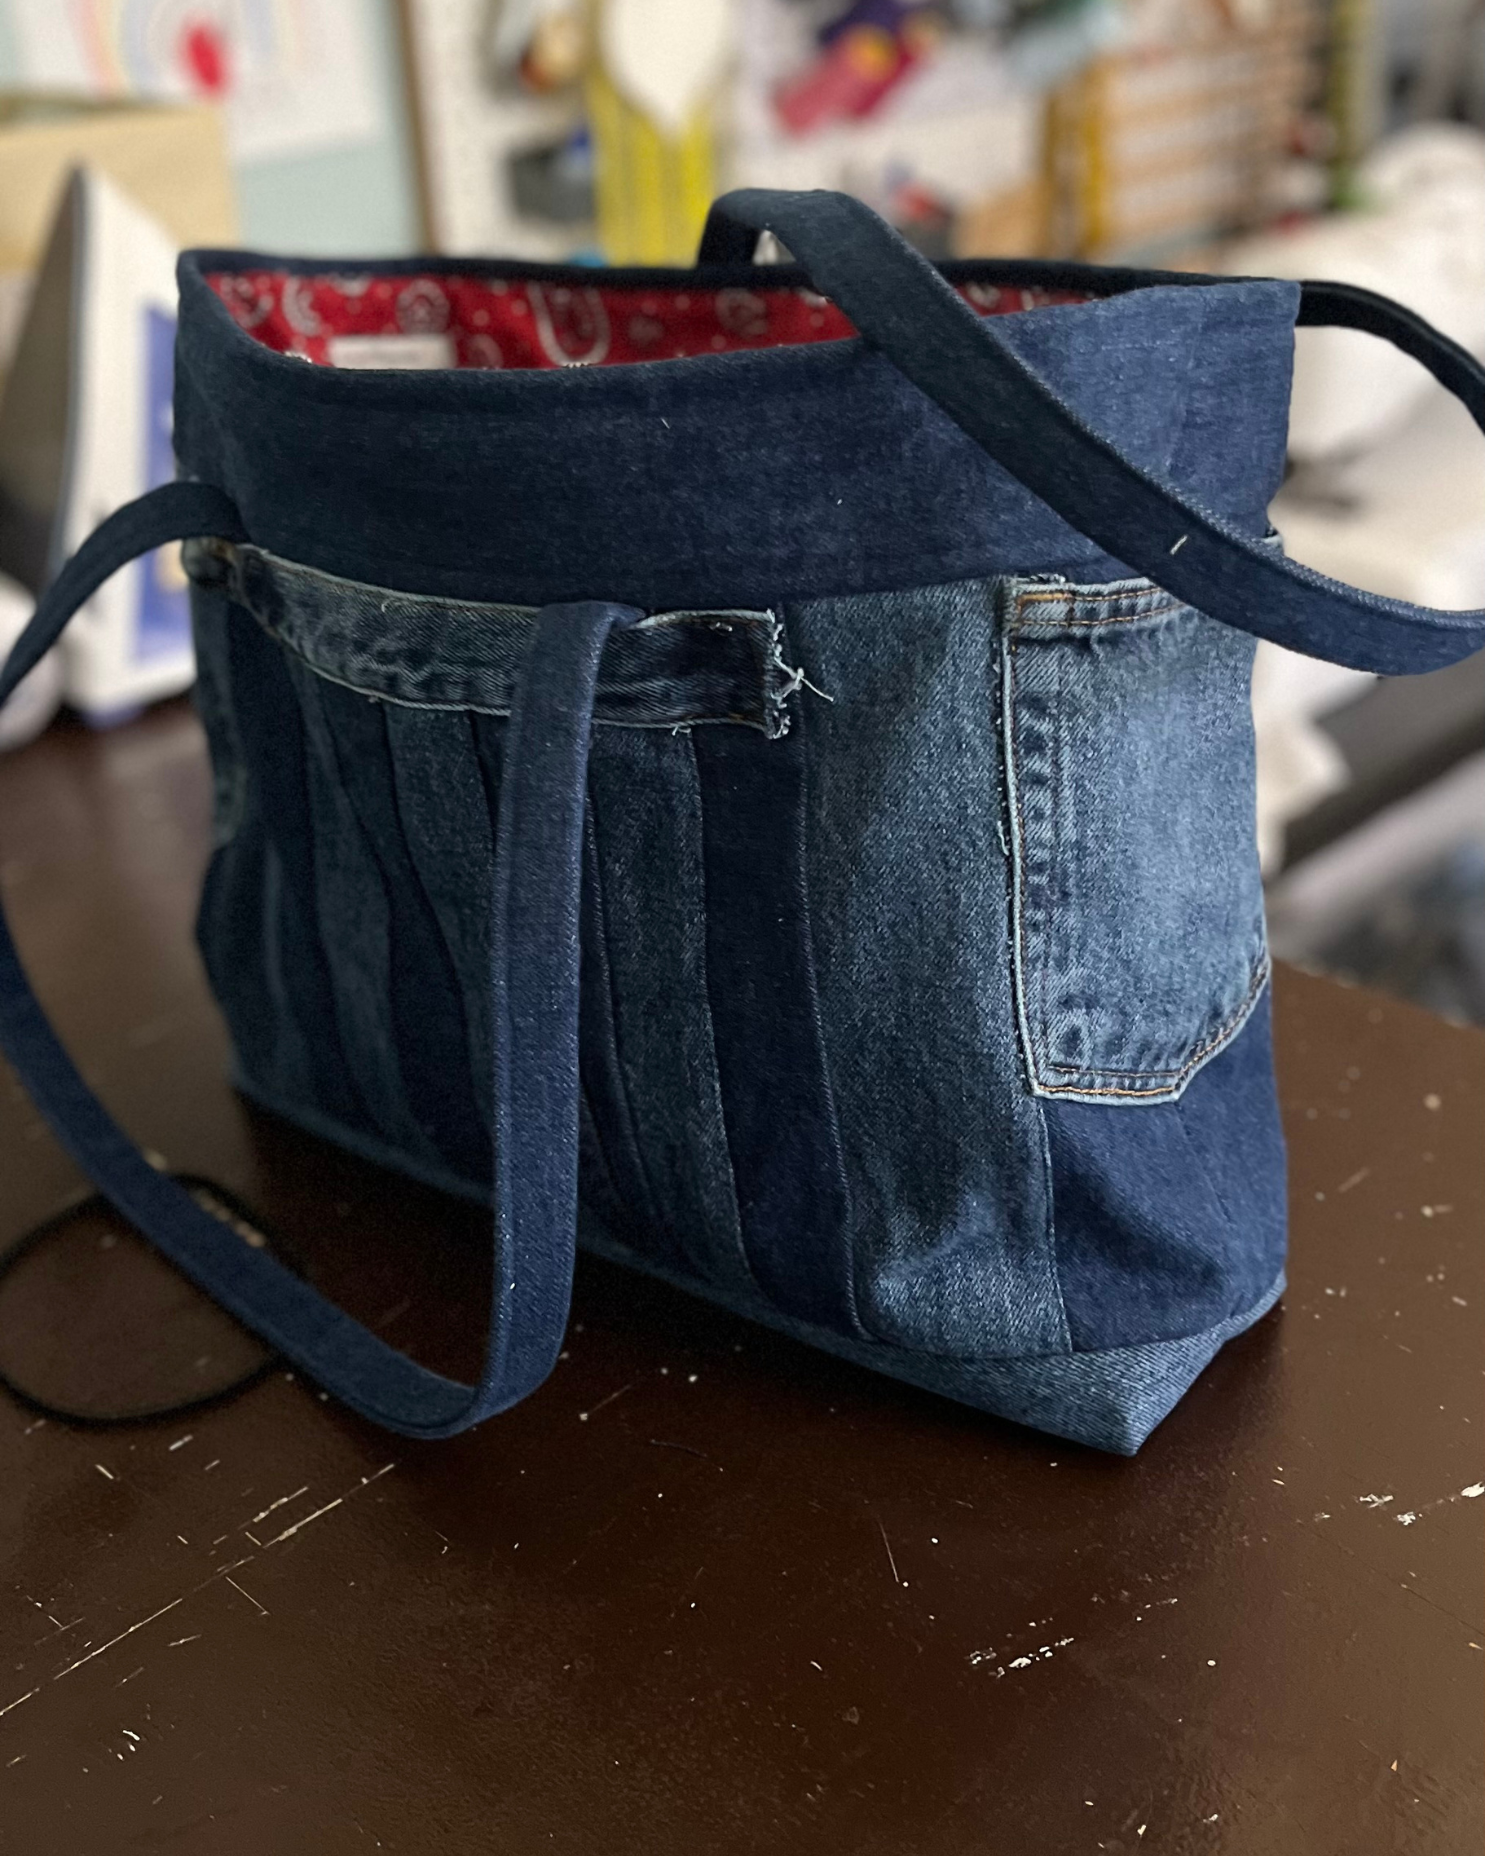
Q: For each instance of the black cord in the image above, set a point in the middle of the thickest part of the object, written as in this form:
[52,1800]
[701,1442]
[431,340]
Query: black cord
[221,1204]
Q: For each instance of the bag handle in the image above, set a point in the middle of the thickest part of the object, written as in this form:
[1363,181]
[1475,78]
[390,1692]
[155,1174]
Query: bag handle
[902,306]
[534,979]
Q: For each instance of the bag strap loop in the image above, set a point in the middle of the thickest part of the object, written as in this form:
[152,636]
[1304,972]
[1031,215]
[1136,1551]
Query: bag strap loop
[962,361]
[534,980]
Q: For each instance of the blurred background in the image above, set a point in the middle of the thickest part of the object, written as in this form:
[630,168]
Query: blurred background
[1334,138]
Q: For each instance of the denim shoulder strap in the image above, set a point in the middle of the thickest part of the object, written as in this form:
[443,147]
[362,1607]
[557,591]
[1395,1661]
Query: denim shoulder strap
[538,851]
[902,306]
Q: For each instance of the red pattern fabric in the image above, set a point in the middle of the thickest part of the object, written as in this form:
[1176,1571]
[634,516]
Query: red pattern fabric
[486,322]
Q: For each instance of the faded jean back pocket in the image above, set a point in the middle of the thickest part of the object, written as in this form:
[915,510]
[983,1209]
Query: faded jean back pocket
[1138,913]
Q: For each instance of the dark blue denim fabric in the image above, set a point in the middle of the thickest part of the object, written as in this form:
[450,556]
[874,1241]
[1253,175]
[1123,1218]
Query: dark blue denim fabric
[657,1103]
[731,480]
[1170,1220]
[1022,416]
[782,1132]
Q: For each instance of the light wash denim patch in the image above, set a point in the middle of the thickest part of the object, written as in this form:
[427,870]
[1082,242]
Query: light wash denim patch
[910,897]
[433,653]
[1138,909]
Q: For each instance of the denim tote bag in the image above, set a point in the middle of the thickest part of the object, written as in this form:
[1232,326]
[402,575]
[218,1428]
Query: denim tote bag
[750,770]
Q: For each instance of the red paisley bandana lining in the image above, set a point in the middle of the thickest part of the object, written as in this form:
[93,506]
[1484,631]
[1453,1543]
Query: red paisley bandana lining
[447,320]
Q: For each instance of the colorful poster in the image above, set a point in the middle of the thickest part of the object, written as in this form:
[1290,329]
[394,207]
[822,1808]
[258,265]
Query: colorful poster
[293,75]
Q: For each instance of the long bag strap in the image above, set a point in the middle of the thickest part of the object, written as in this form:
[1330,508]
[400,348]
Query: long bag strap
[534,982]
[903,307]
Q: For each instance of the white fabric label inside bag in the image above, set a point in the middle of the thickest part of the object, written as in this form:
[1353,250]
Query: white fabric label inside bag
[405,351]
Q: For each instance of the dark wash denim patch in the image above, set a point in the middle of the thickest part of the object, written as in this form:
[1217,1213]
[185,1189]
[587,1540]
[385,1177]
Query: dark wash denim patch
[923,965]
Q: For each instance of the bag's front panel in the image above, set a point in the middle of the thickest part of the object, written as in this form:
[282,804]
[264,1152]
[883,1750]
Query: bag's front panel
[1138,948]
[826,965]
[1031,843]
[922,961]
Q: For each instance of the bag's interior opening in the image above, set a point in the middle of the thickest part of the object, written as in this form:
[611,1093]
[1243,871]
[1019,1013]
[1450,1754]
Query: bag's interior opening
[453,320]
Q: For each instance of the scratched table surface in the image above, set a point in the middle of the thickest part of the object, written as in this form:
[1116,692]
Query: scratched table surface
[707,1591]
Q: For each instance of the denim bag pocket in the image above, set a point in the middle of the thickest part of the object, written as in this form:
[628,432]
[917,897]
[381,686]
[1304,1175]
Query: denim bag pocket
[1137,908]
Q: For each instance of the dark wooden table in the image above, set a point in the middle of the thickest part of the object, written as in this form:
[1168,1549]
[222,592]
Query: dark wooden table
[707,1591]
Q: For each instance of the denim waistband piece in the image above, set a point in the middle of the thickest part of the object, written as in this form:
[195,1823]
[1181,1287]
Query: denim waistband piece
[427,652]
[735,480]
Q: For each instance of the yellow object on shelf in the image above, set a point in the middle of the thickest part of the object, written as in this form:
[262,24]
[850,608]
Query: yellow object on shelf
[652,189]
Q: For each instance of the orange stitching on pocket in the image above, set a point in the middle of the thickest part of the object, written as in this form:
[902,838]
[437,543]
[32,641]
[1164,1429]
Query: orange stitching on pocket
[1069,596]
[1214,1043]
